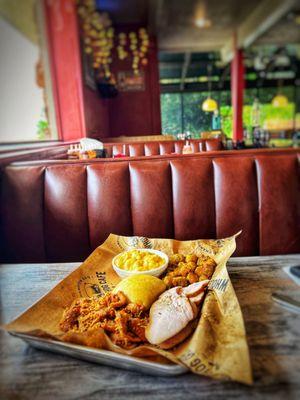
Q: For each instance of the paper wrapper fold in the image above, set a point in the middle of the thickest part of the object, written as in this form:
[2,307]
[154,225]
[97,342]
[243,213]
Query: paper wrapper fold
[218,347]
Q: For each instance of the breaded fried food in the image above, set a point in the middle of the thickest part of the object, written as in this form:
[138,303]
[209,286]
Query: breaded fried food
[122,321]
[185,270]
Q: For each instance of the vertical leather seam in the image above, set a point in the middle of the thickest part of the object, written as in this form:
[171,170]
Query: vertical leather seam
[257,245]
[173,207]
[259,202]
[129,194]
[44,212]
[130,198]
[214,166]
[87,209]
[171,193]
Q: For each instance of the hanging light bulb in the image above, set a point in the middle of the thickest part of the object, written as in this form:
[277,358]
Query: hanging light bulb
[209,105]
[280,100]
[201,20]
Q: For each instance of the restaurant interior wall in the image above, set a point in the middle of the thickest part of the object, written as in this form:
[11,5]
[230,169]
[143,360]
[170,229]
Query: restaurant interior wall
[137,113]
[130,113]
[21,99]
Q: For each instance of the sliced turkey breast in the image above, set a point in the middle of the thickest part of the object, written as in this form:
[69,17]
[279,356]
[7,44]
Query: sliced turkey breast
[173,311]
[195,288]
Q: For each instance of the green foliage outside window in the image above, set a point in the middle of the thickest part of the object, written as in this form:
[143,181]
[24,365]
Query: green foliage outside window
[43,129]
[192,120]
[171,117]
[183,113]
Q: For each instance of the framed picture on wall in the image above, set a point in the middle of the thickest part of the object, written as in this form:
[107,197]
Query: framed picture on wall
[129,82]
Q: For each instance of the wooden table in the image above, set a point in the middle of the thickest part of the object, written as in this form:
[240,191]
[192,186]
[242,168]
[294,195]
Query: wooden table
[273,335]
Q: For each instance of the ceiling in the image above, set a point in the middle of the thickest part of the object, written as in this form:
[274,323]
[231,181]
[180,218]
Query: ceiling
[264,28]
[285,31]
[264,66]
[21,15]
[173,21]
[177,31]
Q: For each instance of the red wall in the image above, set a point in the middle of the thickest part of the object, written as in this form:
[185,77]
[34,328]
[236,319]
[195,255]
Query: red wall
[137,113]
[96,112]
[81,111]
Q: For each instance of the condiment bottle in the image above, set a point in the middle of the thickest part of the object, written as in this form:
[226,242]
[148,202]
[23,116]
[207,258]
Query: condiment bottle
[187,148]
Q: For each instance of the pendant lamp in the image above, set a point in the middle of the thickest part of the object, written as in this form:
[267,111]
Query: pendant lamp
[280,100]
[209,104]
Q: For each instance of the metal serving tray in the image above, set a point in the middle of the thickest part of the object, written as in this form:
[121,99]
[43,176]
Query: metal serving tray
[103,357]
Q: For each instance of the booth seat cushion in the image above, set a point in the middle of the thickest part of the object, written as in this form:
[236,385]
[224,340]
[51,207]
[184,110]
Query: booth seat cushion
[63,212]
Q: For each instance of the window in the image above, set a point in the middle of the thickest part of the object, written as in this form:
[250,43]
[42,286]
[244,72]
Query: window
[171,113]
[24,79]
[181,112]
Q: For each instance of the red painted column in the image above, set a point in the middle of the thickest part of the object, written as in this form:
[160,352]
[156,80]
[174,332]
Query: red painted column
[66,74]
[237,94]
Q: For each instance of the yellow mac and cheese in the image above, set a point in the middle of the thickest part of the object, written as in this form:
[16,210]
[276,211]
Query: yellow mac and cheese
[136,260]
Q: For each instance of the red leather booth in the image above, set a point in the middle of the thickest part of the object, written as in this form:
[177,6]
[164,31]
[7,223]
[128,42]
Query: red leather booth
[153,148]
[61,211]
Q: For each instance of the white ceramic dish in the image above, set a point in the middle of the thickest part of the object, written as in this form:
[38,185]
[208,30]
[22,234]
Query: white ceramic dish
[123,273]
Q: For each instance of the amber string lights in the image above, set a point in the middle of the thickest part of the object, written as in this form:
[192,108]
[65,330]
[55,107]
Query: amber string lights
[100,42]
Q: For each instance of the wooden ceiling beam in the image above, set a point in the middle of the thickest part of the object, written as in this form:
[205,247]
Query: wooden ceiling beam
[262,18]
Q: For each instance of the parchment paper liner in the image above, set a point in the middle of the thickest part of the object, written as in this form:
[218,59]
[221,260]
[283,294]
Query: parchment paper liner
[218,347]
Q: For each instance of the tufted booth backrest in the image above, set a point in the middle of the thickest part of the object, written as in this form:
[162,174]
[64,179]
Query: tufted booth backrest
[60,212]
[138,149]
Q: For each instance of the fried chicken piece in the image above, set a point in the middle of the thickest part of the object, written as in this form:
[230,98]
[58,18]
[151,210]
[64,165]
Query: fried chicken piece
[106,313]
[191,265]
[108,326]
[191,258]
[118,300]
[176,258]
[183,269]
[189,269]
[70,320]
[122,321]
[129,331]
[206,269]
[180,281]
[207,264]
[192,277]
[136,310]
[137,326]
[168,280]
[127,341]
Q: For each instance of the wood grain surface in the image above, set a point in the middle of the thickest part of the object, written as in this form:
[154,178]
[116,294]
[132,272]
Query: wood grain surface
[272,331]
